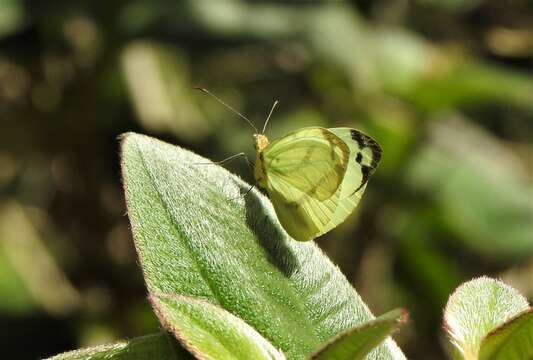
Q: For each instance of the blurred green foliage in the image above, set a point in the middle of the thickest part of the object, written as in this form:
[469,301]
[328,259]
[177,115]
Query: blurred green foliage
[445,86]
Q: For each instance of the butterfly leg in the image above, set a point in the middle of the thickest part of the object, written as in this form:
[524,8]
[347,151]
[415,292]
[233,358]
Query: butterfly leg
[246,193]
[250,189]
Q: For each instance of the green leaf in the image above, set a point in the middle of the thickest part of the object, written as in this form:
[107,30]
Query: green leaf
[356,343]
[511,341]
[197,235]
[209,331]
[477,308]
[150,347]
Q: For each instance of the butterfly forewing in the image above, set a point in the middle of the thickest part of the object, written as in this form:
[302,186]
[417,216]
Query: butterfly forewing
[311,160]
[365,154]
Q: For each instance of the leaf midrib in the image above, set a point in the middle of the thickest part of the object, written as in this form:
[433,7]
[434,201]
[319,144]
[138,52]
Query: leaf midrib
[176,227]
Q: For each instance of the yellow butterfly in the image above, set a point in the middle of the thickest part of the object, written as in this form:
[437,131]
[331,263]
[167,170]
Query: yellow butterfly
[314,176]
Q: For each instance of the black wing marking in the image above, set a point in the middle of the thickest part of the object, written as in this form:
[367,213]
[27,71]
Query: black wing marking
[365,141]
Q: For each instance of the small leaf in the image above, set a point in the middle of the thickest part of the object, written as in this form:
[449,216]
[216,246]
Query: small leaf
[511,341]
[475,309]
[210,332]
[356,343]
[150,347]
[197,235]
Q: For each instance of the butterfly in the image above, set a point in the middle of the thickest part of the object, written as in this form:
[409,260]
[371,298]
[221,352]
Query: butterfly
[313,176]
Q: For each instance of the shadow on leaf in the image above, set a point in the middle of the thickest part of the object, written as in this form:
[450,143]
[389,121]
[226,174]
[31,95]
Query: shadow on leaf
[269,233]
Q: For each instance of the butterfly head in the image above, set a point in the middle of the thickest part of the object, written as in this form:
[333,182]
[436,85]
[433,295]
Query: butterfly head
[260,142]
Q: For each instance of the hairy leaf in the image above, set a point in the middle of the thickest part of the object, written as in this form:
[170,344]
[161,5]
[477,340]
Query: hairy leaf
[150,347]
[197,235]
[211,332]
[475,309]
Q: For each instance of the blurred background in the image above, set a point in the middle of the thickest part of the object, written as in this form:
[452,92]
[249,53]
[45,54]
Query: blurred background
[445,86]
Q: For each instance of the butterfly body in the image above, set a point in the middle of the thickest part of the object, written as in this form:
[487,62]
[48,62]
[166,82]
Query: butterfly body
[315,176]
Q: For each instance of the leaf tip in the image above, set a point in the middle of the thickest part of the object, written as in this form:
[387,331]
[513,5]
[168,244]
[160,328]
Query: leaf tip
[126,137]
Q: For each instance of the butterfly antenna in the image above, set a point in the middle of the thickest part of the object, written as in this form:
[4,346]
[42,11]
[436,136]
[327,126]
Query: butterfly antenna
[269,115]
[229,107]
